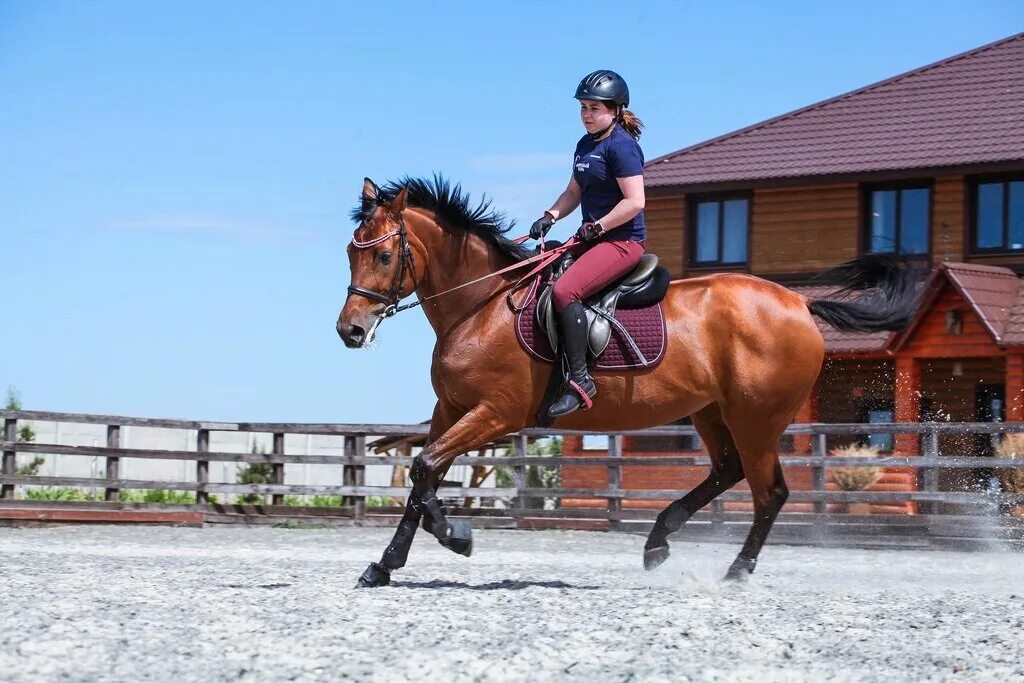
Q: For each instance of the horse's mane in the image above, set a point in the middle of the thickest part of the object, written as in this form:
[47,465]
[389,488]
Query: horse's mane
[451,205]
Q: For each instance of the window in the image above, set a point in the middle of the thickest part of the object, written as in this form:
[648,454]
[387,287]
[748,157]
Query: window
[876,411]
[898,219]
[720,230]
[998,215]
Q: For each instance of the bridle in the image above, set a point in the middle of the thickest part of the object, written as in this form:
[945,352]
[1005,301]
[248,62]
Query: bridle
[405,264]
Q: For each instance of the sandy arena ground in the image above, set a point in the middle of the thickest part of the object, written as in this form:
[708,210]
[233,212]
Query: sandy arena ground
[85,603]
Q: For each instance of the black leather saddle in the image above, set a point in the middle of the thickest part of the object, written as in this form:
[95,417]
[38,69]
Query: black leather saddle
[644,286]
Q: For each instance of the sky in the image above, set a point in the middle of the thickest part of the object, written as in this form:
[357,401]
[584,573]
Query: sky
[175,178]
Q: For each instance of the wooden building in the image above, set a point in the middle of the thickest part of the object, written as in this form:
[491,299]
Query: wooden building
[928,164]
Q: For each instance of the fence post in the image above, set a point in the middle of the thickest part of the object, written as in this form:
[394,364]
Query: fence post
[717,514]
[354,475]
[818,446]
[929,479]
[519,448]
[10,457]
[277,469]
[359,474]
[347,478]
[113,493]
[614,480]
[202,466]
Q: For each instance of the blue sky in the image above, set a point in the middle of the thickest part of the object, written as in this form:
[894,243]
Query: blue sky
[175,178]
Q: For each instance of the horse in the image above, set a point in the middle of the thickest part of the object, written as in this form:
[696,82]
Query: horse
[742,356]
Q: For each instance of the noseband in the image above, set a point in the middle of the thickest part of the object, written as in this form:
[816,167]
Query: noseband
[405,264]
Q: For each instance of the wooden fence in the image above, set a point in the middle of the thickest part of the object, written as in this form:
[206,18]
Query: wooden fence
[820,525]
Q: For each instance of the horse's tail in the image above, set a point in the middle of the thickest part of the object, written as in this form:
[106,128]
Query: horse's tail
[889,307]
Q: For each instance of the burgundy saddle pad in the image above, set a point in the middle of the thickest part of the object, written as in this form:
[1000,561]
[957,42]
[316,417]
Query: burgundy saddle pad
[645,325]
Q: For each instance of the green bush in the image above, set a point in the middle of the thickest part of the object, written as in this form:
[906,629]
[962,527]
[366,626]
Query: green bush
[255,473]
[161,496]
[537,476]
[60,493]
[30,469]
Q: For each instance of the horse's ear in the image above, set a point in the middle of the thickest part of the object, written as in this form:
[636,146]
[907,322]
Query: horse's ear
[370,190]
[400,201]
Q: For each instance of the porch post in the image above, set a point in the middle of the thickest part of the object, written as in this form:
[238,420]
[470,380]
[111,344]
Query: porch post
[1015,388]
[907,400]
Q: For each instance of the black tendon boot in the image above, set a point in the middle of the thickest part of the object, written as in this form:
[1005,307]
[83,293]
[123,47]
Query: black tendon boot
[572,330]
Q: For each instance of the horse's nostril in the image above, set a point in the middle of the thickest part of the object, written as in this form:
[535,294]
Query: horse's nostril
[356,333]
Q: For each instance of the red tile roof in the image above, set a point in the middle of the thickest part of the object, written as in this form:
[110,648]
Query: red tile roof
[1014,333]
[990,290]
[964,110]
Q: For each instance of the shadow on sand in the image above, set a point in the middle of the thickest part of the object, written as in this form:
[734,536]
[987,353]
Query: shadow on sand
[505,585]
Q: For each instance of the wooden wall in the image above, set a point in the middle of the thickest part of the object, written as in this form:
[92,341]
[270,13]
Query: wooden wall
[948,236]
[666,229]
[809,228]
[795,229]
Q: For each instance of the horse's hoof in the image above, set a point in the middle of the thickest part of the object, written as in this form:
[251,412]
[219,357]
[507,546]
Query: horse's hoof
[374,577]
[740,570]
[459,537]
[654,557]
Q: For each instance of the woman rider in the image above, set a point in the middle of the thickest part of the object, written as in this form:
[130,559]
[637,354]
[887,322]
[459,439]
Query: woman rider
[607,178]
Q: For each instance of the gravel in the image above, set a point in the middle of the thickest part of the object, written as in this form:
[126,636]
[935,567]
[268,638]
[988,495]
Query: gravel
[85,603]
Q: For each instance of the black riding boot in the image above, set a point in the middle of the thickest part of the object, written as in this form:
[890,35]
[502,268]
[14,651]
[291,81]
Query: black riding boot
[572,330]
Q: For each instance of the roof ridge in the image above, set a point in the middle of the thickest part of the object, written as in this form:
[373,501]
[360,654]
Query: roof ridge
[817,105]
[978,267]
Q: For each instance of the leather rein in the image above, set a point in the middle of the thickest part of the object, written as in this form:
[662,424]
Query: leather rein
[406,264]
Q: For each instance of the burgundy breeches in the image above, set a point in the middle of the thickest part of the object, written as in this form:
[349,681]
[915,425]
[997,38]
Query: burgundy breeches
[596,267]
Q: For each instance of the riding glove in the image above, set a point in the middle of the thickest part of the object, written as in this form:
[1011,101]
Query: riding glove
[541,226]
[590,231]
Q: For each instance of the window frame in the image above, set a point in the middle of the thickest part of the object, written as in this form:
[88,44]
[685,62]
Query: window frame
[867,189]
[691,229]
[972,214]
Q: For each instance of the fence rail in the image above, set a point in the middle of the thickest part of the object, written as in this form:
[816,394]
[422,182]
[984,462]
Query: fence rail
[605,504]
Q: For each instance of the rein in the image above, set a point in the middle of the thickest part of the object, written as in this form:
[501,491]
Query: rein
[391,299]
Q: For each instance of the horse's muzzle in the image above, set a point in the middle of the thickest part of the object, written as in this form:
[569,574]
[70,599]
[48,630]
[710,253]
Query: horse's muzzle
[354,336]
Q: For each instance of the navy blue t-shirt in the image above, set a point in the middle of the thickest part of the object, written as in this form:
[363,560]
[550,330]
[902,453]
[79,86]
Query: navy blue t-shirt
[596,166]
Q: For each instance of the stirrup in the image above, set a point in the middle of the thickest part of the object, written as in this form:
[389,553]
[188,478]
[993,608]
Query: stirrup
[576,392]
[586,400]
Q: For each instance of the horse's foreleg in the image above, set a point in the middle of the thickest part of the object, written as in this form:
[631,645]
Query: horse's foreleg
[397,552]
[476,428]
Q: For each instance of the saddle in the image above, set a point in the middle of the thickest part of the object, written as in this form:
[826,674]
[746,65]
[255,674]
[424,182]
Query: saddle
[645,286]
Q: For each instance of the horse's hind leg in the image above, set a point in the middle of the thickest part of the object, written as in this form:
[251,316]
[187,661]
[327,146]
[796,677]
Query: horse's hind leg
[726,471]
[760,458]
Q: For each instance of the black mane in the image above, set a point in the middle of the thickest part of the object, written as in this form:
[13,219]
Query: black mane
[452,206]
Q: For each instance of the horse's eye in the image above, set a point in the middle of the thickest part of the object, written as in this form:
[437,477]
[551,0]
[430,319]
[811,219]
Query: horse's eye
[385,257]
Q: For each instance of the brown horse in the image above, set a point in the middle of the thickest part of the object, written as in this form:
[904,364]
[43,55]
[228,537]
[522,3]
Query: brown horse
[742,356]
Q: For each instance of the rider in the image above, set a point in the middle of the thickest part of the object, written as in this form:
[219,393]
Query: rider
[608,179]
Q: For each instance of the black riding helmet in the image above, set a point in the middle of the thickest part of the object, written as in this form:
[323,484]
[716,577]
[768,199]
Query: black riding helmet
[604,85]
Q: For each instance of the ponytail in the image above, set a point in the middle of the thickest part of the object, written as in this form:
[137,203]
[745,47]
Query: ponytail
[630,123]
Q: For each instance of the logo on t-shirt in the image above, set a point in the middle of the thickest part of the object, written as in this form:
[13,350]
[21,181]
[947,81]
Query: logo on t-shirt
[580,166]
